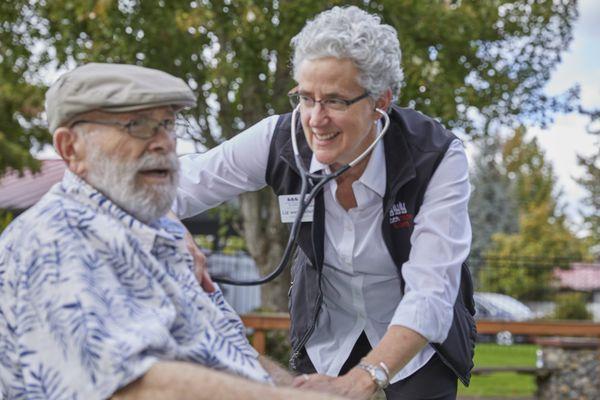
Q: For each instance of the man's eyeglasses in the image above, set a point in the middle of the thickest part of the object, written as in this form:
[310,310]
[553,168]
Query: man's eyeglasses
[333,103]
[141,128]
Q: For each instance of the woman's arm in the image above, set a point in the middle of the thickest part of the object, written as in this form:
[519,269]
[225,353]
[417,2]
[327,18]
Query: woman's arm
[234,167]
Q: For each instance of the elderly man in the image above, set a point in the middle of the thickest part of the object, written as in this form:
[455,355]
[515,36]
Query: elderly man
[97,292]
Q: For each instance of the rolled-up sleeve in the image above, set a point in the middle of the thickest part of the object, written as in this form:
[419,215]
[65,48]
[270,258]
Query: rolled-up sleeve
[234,167]
[440,244]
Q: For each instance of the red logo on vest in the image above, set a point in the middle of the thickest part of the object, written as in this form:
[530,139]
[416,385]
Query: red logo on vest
[399,216]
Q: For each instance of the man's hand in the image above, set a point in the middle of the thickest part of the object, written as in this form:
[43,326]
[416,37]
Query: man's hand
[199,264]
[356,384]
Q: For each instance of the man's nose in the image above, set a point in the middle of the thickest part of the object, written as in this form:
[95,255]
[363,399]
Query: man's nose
[163,141]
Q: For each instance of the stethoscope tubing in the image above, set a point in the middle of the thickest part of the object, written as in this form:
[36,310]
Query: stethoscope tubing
[306,198]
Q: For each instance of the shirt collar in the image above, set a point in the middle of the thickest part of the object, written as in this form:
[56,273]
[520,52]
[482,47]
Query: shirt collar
[374,176]
[84,193]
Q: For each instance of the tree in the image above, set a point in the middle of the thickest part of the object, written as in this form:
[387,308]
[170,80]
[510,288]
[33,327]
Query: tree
[20,98]
[591,183]
[521,264]
[492,207]
[460,58]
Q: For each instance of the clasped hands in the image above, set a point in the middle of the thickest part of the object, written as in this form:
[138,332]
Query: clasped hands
[356,384]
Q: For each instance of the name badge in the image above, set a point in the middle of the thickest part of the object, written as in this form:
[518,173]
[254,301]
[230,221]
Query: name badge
[288,207]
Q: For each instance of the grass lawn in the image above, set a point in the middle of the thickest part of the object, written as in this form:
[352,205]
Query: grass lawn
[502,384]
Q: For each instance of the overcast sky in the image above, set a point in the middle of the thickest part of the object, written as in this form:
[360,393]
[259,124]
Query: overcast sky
[567,137]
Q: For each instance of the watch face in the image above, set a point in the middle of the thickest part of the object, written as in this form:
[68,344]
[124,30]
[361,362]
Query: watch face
[380,375]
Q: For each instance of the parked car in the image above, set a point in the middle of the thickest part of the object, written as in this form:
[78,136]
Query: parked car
[501,307]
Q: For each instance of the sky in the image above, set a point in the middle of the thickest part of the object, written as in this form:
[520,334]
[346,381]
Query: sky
[567,136]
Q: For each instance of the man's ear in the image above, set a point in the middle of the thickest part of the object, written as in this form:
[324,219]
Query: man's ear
[71,148]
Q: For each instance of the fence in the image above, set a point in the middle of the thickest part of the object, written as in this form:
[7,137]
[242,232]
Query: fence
[507,288]
[551,288]
[261,323]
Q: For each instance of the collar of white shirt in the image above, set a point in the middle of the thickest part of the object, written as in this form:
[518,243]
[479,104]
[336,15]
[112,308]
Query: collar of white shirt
[374,176]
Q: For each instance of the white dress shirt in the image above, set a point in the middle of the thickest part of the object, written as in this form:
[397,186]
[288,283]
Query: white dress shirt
[361,286]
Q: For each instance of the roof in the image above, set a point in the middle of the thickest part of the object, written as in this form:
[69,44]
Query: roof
[21,192]
[580,276]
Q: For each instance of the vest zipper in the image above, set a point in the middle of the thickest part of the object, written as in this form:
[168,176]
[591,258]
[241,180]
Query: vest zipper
[304,339]
[449,365]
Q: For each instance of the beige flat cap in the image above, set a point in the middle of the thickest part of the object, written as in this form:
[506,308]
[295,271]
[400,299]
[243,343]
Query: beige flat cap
[113,88]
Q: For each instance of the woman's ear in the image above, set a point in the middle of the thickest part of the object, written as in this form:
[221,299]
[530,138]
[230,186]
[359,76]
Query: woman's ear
[384,101]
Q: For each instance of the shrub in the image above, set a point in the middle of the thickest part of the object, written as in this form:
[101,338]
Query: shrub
[571,306]
[5,219]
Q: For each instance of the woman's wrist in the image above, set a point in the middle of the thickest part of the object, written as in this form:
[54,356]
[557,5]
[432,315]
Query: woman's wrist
[362,380]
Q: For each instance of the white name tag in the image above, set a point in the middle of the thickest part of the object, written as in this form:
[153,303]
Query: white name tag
[288,207]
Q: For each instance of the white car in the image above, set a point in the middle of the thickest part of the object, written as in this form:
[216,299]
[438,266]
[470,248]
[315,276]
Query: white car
[501,307]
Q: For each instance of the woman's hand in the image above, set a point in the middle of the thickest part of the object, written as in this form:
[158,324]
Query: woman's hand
[356,384]
[200,269]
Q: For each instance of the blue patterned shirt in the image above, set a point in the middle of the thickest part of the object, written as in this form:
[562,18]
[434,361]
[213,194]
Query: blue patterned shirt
[91,298]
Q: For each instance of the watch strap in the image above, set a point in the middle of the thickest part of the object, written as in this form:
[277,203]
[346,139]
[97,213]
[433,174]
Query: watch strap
[382,380]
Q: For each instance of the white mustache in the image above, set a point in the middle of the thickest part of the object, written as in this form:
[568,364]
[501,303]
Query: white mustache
[155,161]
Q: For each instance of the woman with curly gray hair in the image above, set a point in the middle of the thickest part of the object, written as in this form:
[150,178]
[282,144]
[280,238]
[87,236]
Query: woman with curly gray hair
[375,300]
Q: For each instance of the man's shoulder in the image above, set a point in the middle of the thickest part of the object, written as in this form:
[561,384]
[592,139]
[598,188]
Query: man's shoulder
[57,217]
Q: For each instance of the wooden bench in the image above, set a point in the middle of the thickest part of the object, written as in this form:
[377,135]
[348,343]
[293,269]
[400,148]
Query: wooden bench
[261,323]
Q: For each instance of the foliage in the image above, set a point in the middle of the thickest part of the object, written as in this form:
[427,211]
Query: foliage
[20,97]
[571,306]
[492,205]
[544,240]
[278,346]
[532,175]
[461,59]
[6,218]
[590,181]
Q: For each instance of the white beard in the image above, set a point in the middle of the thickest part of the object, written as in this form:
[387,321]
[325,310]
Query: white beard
[117,180]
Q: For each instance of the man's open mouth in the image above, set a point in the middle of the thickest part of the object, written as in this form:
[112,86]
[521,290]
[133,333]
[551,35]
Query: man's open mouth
[156,172]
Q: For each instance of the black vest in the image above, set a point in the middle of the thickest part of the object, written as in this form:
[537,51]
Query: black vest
[414,146]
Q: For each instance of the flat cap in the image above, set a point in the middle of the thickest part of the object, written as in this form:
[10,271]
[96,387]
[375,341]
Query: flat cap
[113,88]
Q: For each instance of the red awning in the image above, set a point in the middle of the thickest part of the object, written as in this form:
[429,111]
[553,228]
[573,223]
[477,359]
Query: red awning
[21,192]
[580,276]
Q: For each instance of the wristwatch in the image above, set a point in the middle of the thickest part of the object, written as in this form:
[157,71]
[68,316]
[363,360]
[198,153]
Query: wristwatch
[379,373]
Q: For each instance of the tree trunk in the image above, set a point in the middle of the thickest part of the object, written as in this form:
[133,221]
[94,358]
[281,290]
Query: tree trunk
[265,237]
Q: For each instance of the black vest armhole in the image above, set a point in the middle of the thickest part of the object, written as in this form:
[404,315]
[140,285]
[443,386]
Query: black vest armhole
[274,149]
[421,194]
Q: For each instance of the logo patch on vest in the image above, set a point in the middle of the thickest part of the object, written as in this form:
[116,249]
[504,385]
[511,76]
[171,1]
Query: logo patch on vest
[399,216]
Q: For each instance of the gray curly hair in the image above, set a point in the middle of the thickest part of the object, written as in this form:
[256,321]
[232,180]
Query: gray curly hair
[349,32]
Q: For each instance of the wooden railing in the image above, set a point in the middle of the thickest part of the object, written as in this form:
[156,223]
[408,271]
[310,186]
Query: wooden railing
[262,323]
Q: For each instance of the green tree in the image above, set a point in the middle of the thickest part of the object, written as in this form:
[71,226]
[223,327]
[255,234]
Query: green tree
[590,181]
[492,207]
[20,97]
[461,58]
[521,264]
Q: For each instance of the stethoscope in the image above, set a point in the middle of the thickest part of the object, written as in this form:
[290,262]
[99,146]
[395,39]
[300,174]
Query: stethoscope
[306,197]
